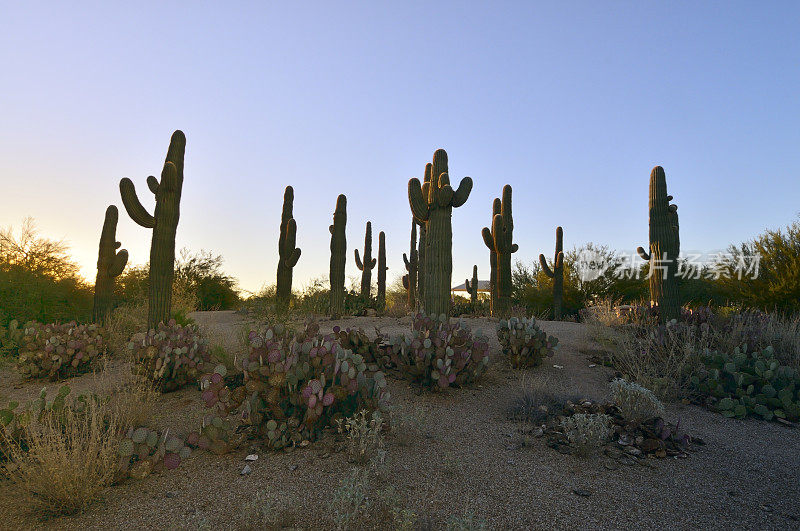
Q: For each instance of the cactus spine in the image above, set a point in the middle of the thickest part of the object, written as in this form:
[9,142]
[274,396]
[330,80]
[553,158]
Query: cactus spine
[288,254]
[110,264]
[164,223]
[664,248]
[367,265]
[500,238]
[381,303]
[472,289]
[338,257]
[432,204]
[557,273]
[412,264]
[487,239]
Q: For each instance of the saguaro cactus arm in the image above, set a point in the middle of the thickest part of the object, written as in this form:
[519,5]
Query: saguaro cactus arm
[643,254]
[132,204]
[290,252]
[417,201]
[360,264]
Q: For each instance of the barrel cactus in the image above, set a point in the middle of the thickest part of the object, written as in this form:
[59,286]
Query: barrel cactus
[164,222]
[110,264]
[338,257]
[412,264]
[500,238]
[432,204]
[287,252]
[367,265]
[664,248]
[557,273]
[382,268]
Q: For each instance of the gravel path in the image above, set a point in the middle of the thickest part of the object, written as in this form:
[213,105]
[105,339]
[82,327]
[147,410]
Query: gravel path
[462,458]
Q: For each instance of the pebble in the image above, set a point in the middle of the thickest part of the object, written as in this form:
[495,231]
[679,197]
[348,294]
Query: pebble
[582,492]
[558,366]
[251,457]
[246,470]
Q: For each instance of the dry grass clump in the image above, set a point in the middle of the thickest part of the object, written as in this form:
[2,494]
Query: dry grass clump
[537,400]
[587,432]
[123,323]
[636,403]
[759,330]
[69,457]
[364,434]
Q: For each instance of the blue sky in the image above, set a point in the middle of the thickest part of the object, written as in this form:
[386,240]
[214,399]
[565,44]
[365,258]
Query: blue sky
[572,103]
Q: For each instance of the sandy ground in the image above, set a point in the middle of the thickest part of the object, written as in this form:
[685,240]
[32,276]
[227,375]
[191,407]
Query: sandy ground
[461,457]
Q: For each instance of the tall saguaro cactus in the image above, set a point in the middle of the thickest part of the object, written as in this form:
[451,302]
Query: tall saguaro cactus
[557,273]
[432,204]
[366,266]
[412,263]
[288,253]
[381,305]
[164,222]
[426,179]
[338,256]
[500,238]
[665,246]
[489,241]
[110,264]
[472,289]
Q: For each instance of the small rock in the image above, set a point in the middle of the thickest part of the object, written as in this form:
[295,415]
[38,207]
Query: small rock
[246,470]
[592,365]
[169,494]
[660,453]
[558,366]
[251,457]
[611,465]
[292,468]
[582,492]
[538,432]
[632,450]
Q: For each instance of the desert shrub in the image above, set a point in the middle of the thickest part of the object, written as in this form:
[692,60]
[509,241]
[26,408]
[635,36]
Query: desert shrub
[350,501]
[464,307]
[123,323]
[636,403]
[524,343]
[759,330]
[58,351]
[295,384]
[171,355]
[364,433]
[587,432]
[439,352]
[38,279]
[11,338]
[741,383]
[537,401]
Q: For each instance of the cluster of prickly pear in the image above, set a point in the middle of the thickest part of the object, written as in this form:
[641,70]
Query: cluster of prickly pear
[745,383]
[171,355]
[144,450]
[439,352]
[359,343]
[295,384]
[164,222]
[524,343]
[59,350]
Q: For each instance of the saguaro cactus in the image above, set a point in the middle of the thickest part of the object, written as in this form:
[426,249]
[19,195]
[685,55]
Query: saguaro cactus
[164,223]
[368,263]
[557,273]
[338,256]
[426,179]
[489,241]
[432,204]
[381,304]
[110,264]
[472,289]
[412,263]
[500,238]
[288,254]
[665,246]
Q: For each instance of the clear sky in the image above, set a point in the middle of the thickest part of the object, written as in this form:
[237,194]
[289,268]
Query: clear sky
[572,103]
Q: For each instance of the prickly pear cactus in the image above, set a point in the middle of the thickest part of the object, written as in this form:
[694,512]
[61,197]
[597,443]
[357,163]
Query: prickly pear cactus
[143,451]
[59,350]
[664,248]
[472,288]
[338,257]
[367,265]
[287,252]
[382,268]
[412,264]
[500,239]
[164,223]
[524,343]
[110,264]
[432,204]
[557,273]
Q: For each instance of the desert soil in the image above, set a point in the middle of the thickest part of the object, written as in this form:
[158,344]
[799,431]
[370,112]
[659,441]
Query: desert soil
[462,456]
